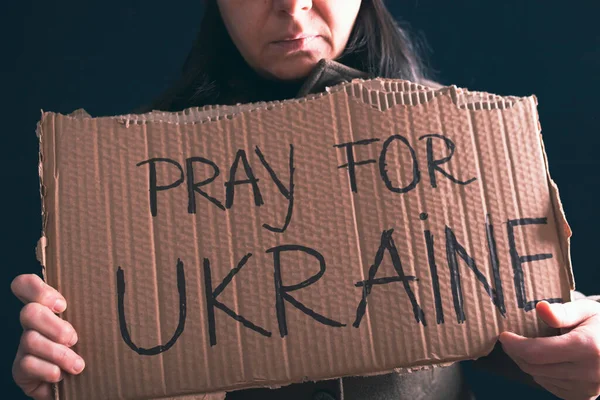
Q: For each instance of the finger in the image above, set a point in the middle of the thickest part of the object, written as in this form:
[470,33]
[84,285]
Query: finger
[39,390]
[585,389]
[580,372]
[32,387]
[31,288]
[564,384]
[552,388]
[32,342]
[34,369]
[571,346]
[35,316]
[568,390]
[567,315]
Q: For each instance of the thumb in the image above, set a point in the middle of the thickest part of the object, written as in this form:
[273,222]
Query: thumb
[567,315]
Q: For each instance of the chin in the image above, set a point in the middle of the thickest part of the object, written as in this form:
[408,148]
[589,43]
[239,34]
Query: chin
[294,68]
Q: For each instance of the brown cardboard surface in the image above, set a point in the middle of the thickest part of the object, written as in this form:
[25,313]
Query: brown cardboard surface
[446,233]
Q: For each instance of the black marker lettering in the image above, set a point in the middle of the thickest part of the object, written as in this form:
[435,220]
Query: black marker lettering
[387,243]
[435,280]
[195,187]
[493,252]
[288,192]
[154,188]
[383,170]
[232,183]
[212,302]
[434,165]
[282,291]
[518,261]
[123,321]
[452,249]
[351,165]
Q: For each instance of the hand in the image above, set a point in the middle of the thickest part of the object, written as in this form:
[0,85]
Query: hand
[44,352]
[567,365]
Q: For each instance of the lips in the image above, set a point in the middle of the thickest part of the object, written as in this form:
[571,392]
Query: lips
[295,43]
[301,36]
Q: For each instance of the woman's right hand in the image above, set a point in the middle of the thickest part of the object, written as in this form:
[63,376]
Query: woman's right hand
[44,353]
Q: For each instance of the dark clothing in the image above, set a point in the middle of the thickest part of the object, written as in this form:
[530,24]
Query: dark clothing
[433,384]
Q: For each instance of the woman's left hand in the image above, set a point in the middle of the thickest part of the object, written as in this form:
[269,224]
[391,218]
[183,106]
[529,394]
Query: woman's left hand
[567,365]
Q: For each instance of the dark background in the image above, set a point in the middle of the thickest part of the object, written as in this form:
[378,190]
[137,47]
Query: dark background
[111,56]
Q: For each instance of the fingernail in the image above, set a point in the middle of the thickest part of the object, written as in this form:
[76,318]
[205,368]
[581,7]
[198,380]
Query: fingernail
[74,339]
[59,306]
[555,306]
[78,365]
[505,337]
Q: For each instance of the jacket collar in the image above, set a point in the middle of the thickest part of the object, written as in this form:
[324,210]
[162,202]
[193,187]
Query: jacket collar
[328,73]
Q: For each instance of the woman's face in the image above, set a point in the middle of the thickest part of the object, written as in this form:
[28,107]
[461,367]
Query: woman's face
[285,39]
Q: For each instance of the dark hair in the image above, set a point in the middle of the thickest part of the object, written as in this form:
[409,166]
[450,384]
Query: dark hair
[377,46]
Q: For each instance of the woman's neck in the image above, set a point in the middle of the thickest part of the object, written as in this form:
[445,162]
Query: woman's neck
[244,85]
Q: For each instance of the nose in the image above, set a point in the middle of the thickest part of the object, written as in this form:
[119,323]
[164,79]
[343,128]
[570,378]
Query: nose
[292,7]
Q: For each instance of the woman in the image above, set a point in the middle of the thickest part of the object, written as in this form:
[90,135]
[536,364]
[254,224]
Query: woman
[251,50]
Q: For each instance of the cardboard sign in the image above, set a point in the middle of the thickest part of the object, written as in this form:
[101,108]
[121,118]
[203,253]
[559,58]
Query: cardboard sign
[380,225]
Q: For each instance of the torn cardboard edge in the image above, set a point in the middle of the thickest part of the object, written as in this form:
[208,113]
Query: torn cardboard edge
[42,243]
[403,93]
[563,228]
[208,396]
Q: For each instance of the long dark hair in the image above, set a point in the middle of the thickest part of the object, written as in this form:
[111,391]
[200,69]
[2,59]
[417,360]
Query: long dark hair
[377,46]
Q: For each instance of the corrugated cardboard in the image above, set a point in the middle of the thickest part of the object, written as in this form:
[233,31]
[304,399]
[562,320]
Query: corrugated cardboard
[378,226]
